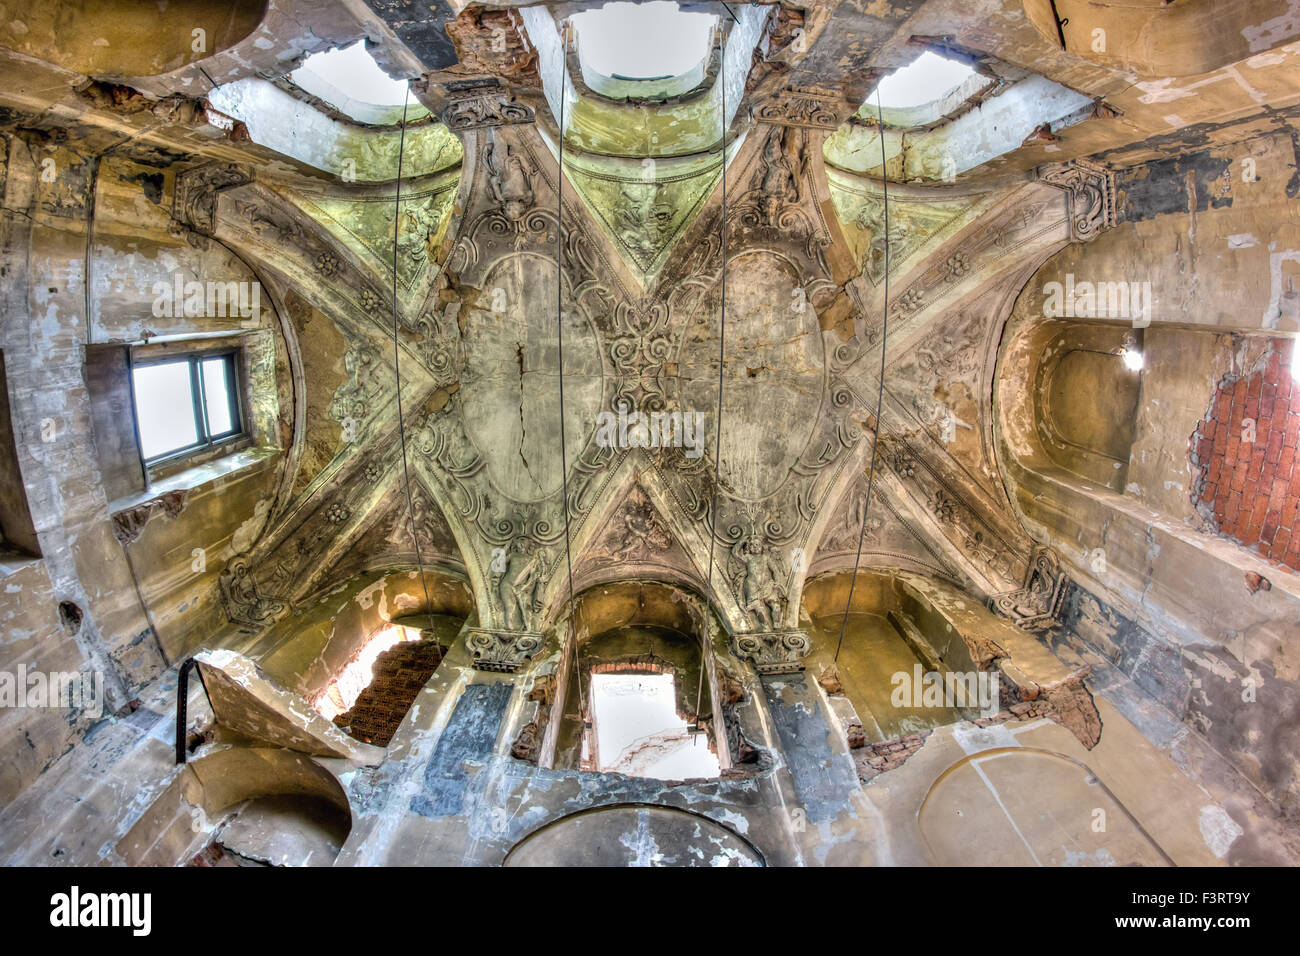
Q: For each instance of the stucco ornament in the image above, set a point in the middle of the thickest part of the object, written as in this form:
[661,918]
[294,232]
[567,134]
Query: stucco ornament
[759,582]
[518,586]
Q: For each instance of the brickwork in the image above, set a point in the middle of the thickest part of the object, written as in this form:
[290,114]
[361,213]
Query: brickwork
[875,759]
[400,674]
[1244,456]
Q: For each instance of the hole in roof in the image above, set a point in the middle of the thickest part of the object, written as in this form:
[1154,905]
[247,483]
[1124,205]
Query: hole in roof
[643,41]
[636,730]
[928,78]
[349,79]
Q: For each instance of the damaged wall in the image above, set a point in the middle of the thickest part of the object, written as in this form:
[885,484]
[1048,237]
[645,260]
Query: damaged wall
[1192,606]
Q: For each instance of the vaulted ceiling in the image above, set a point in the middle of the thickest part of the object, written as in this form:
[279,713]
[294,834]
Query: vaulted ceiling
[864,299]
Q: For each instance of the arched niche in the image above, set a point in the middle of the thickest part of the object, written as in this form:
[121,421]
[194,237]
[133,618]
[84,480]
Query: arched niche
[1137,536]
[1083,400]
[340,642]
[900,625]
[634,835]
[270,805]
[639,631]
[294,812]
[1157,38]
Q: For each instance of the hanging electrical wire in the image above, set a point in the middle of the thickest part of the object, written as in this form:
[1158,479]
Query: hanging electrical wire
[397,368]
[722,345]
[559,334]
[880,392]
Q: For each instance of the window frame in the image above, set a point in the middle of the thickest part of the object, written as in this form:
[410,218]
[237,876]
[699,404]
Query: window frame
[234,396]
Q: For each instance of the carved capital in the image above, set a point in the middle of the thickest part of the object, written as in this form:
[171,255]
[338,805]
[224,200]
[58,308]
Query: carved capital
[774,652]
[806,107]
[197,189]
[502,651]
[477,107]
[1090,189]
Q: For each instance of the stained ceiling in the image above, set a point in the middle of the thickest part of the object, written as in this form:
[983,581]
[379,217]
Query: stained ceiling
[863,314]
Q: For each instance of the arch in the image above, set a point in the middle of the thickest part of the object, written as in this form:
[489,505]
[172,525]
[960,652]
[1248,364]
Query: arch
[902,627]
[305,652]
[1092,439]
[563,842]
[684,558]
[1137,533]
[646,627]
[978,810]
[275,784]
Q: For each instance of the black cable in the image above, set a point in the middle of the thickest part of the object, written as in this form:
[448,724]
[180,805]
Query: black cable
[722,344]
[397,368]
[559,332]
[880,393]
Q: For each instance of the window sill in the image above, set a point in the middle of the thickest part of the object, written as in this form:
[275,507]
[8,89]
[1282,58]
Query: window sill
[196,477]
[165,468]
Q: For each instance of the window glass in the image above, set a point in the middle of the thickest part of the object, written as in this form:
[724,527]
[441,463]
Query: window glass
[217,394]
[164,404]
[184,403]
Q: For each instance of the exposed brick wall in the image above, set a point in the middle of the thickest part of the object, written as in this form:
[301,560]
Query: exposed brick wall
[400,674]
[1249,489]
[875,759]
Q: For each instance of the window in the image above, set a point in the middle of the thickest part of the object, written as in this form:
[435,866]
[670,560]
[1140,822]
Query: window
[186,403]
[636,730]
[349,79]
[928,78]
[643,41]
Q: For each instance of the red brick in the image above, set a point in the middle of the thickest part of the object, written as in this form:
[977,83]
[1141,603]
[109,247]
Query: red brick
[1257,460]
[1253,387]
[1257,513]
[1277,497]
[1274,451]
[1234,504]
[1289,512]
[1270,528]
[1238,482]
[1252,407]
[1239,392]
[1281,541]
[1285,461]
